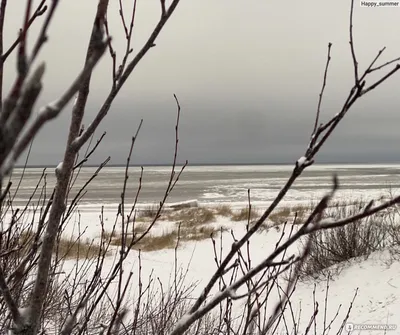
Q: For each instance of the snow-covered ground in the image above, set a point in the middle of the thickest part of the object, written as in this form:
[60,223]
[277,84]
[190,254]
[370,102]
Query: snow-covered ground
[376,279]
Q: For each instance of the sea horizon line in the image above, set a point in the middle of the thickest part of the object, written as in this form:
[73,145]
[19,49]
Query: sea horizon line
[214,164]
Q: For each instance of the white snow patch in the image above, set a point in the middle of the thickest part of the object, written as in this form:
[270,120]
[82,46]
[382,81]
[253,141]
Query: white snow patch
[327,221]
[75,101]
[232,293]
[59,168]
[310,227]
[301,161]
[54,106]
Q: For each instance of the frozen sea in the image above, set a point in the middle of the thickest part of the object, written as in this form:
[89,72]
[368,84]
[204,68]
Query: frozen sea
[212,185]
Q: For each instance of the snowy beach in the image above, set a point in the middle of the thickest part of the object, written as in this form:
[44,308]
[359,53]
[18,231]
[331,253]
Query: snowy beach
[227,186]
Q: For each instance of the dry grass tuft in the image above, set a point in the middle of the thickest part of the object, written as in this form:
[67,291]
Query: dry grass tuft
[284,214]
[152,243]
[67,248]
[192,222]
[302,211]
[243,214]
[109,235]
[137,229]
[223,210]
[198,233]
[168,240]
[192,216]
[330,249]
[148,212]
[79,249]
[280,215]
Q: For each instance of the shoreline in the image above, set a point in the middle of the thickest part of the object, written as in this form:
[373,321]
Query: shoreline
[333,163]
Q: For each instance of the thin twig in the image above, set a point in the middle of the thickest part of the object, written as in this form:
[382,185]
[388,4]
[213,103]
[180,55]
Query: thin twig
[321,93]
[43,32]
[40,10]
[353,53]
[53,109]
[81,140]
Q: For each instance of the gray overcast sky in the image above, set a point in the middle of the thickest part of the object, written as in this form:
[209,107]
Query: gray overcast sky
[247,73]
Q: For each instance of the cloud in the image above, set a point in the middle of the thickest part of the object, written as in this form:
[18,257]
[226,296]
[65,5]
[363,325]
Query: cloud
[247,75]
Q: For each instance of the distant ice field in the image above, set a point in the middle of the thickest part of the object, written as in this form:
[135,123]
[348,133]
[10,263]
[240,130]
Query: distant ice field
[213,185]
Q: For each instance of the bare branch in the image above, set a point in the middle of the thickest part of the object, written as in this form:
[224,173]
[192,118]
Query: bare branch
[195,314]
[3,194]
[5,291]
[163,10]
[121,14]
[3,7]
[353,53]
[23,67]
[172,179]
[43,32]
[128,37]
[365,213]
[289,289]
[321,94]
[381,80]
[112,52]
[40,10]
[53,109]
[22,64]
[96,48]
[81,140]
[384,65]
[10,131]
[87,156]
[369,69]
